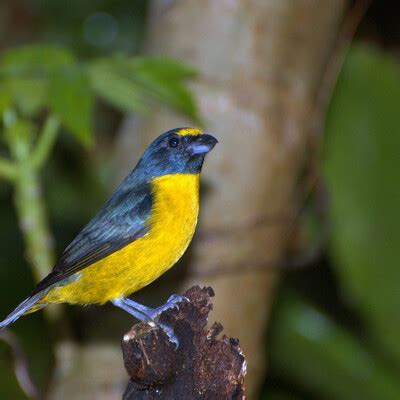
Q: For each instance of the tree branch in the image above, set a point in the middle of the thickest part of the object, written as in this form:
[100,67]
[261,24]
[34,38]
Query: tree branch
[203,367]
[45,142]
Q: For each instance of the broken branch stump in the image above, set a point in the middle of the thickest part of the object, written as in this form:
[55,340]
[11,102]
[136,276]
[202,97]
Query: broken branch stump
[203,367]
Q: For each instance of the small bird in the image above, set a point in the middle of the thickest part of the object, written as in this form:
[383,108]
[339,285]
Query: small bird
[138,234]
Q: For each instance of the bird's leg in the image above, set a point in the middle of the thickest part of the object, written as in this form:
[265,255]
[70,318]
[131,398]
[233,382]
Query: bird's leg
[154,313]
[121,303]
[147,314]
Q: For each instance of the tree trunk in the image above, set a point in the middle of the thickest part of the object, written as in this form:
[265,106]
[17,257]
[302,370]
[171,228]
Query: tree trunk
[205,365]
[261,64]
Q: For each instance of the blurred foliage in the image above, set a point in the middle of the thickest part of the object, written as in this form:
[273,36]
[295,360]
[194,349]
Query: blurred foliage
[127,83]
[362,161]
[34,78]
[314,351]
[324,358]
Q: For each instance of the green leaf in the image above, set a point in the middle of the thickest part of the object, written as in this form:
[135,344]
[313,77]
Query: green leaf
[163,80]
[306,346]
[134,84]
[113,84]
[34,59]
[165,67]
[24,72]
[28,95]
[362,173]
[71,100]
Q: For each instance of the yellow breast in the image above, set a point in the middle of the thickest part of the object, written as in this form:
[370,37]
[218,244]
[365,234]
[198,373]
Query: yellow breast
[172,224]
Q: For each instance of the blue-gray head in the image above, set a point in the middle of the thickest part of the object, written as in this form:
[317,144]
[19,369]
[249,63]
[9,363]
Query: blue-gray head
[178,151]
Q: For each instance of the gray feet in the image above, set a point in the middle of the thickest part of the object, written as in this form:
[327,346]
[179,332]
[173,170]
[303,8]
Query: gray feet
[172,303]
[147,314]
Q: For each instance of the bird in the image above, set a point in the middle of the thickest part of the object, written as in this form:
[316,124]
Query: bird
[140,232]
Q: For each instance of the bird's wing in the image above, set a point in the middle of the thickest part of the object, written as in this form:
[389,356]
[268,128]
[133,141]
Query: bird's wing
[120,221]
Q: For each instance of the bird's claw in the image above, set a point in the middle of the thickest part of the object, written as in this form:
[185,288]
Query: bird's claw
[171,334]
[172,303]
[174,299]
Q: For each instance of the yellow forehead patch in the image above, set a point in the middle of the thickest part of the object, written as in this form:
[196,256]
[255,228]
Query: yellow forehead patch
[189,131]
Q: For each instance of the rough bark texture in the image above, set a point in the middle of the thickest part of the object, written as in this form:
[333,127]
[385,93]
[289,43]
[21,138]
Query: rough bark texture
[261,63]
[203,367]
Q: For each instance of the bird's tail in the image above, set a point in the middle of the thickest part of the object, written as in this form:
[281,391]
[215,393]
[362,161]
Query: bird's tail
[28,305]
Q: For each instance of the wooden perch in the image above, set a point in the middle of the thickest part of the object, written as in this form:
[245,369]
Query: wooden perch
[203,367]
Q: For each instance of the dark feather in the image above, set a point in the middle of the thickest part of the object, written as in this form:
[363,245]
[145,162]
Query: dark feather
[119,222]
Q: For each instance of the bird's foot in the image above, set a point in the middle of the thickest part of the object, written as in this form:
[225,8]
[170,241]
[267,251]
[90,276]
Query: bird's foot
[172,303]
[147,314]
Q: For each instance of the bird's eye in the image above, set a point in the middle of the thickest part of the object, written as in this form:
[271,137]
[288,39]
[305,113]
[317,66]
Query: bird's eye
[173,141]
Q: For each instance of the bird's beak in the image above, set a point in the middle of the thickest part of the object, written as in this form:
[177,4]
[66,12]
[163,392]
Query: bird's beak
[203,144]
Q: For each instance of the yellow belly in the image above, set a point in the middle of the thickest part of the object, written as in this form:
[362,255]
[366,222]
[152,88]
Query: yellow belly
[172,224]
